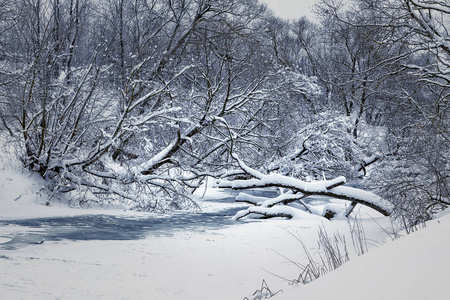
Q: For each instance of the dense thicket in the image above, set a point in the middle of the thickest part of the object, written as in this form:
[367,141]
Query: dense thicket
[138,101]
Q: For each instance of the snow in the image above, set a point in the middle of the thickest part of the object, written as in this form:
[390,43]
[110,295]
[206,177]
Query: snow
[281,180]
[219,265]
[366,196]
[156,159]
[229,263]
[257,200]
[4,240]
[412,267]
[331,188]
[284,210]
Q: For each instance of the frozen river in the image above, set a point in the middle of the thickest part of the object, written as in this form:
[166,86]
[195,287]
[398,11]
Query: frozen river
[113,227]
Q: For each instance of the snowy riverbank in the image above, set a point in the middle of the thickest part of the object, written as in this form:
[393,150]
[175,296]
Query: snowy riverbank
[221,264]
[228,263]
[225,264]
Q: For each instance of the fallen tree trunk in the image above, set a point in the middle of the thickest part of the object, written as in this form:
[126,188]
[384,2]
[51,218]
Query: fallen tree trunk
[300,189]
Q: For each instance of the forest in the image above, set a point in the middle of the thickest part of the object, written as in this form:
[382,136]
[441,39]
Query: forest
[139,102]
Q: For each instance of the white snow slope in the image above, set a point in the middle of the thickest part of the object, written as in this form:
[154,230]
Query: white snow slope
[414,267]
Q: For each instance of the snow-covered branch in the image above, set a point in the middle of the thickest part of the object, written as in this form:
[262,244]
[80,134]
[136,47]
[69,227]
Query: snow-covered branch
[299,190]
[277,212]
[262,180]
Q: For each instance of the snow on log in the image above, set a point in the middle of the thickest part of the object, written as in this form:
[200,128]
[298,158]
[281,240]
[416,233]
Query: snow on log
[243,197]
[283,198]
[277,212]
[262,180]
[362,197]
[332,188]
[270,202]
[154,160]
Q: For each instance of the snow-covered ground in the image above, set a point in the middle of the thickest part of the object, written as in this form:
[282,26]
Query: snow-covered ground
[414,267]
[229,263]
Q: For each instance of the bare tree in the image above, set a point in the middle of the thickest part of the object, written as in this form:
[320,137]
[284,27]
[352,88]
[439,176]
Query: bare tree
[140,115]
[414,169]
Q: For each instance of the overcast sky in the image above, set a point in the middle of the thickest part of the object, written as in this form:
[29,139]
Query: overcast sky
[291,9]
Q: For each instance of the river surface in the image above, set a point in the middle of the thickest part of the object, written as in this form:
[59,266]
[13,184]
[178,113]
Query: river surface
[111,227]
